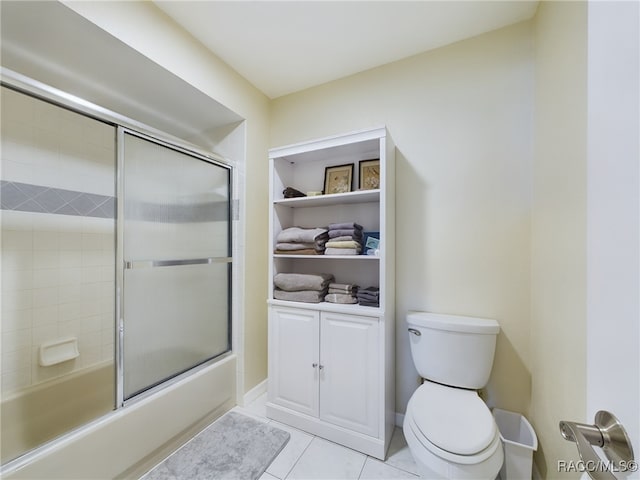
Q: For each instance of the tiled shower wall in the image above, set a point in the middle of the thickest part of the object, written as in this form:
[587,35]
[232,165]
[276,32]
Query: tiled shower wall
[58,238]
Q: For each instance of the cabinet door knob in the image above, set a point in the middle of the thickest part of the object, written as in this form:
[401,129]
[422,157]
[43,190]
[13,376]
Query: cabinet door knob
[321,367]
[314,365]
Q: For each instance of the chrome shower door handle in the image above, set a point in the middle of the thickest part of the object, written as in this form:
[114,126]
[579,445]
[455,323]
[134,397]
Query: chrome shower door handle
[607,433]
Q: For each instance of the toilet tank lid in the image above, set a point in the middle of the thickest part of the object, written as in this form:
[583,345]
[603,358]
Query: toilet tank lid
[453,323]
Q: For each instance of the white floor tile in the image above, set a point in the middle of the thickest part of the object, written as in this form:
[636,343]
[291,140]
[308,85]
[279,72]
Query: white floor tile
[249,413]
[266,476]
[291,452]
[399,455]
[258,406]
[376,470]
[326,460]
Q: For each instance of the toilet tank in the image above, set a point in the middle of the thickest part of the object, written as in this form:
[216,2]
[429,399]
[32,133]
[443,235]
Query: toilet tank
[453,350]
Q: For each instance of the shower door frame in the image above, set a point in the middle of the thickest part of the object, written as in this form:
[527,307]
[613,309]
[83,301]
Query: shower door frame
[120,400]
[44,92]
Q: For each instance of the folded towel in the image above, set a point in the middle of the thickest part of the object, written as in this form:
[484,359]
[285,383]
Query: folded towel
[344,287]
[342,251]
[354,234]
[340,298]
[370,290]
[306,296]
[304,251]
[369,294]
[344,226]
[345,238]
[368,298]
[319,246]
[301,235]
[294,282]
[342,292]
[295,246]
[368,304]
[343,244]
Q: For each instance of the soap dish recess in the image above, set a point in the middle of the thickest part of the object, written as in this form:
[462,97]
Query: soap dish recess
[58,351]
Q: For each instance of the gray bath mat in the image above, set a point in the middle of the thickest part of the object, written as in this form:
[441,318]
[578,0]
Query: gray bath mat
[233,447]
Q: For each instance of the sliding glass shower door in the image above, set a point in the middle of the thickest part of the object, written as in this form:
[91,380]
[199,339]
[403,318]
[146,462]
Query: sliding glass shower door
[176,252]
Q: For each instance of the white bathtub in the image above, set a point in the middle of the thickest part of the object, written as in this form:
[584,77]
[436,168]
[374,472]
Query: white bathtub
[127,442]
[44,412]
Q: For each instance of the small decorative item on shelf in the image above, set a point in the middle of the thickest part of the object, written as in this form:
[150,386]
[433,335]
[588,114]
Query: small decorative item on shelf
[369,174]
[371,243]
[338,179]
[291,192]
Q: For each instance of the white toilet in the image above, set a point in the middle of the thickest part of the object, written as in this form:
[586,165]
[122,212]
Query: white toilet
[449,429]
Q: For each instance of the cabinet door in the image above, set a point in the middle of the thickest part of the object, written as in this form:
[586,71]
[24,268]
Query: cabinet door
[294,359]
[349,379]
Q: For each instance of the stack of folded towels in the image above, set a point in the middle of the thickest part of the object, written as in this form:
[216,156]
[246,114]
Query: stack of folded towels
[344,239]
[302,241]
[301,287]
[341,293]
[369,297]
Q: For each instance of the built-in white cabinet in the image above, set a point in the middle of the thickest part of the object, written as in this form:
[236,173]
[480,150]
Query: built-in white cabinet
[294,351]
[325,365]
[331,366]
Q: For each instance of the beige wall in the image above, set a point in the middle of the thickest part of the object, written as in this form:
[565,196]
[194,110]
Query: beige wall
[485,226]
[461,118]
[147,29]
[558,281]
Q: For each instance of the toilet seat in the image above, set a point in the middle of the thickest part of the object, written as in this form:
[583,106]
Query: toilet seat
[452,423]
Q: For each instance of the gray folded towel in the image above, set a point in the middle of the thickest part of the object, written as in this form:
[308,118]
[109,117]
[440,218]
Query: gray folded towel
[341,292]
[306,296]
[301,235]
[354,234]
[367,298]
[340,298]
[368,304]
[344,226]
[369,294]
[294,282]
[370,290]
[342,251]
[337,290]
[342,287]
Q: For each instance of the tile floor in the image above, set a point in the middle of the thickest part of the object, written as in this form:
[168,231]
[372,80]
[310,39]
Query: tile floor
[309,457]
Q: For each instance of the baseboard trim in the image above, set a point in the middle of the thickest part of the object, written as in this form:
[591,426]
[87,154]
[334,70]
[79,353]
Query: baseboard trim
[399,419]
[254,393]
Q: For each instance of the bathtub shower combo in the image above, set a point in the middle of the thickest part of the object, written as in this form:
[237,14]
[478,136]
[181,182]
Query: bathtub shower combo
[116,267]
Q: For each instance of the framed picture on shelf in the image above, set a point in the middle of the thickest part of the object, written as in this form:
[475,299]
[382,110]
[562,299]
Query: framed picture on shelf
[369,174]
[338,179]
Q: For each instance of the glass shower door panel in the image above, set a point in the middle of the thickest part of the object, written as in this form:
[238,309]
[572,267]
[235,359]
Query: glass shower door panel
[176,248]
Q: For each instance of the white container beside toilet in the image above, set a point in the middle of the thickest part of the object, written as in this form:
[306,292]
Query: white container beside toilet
[449,429]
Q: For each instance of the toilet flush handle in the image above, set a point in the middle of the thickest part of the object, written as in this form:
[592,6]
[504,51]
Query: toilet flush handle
[414,331]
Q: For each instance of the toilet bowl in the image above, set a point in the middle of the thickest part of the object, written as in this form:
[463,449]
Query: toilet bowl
[449,429]
[451,434]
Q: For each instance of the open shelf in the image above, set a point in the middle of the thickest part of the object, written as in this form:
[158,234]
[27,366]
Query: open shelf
[328,257]
[359,196]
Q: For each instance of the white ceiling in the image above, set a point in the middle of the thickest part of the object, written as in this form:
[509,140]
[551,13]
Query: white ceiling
[286,46]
